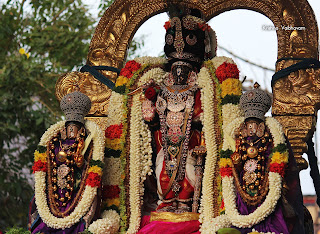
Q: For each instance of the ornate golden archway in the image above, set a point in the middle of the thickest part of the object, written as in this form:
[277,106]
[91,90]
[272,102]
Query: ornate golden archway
[122,19]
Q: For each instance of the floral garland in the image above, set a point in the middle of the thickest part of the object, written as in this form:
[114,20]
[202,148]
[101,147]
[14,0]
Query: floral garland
[92,182]
[140,150]
[117,130]
[206,84]
[215,224]
[108,224]
[279,159]
[224,73]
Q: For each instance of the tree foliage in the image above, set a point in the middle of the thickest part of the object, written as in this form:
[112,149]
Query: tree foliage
[39,40]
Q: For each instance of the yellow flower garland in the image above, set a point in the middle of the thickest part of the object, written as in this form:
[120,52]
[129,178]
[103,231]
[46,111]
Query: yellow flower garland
[278,157]
[224,162]
[40,156]
[231,87]
[96,169]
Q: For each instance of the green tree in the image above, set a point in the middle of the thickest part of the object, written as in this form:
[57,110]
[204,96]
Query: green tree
[39,40]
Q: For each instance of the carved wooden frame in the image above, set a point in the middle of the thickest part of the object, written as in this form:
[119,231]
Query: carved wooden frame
[123,18]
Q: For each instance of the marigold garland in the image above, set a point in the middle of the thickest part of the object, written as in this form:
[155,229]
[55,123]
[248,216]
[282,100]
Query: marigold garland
[40,156]
[121,80]
[231,86]
[95,169]
[224,162]
[278,157]
[113,202]
[115,144]
[130,67]
[278,168]
[226,171]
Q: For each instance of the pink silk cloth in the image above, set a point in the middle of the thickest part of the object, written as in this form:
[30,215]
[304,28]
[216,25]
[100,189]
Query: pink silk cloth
[168,227]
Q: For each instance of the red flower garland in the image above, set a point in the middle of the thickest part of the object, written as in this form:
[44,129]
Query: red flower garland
[114,131]
[226,171]
[130,67]
[227,70]
[125,72]
[278,168]
[167,25]
[150,93]
[93,179]
[222,204]
[110,191]
[39,166]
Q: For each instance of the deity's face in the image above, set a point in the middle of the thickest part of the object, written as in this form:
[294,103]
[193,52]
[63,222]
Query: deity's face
[72,130]
[252,128]
[185,41]
[180,72]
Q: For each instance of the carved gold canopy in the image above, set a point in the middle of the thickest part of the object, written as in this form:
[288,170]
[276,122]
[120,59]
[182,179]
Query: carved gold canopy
[123,18]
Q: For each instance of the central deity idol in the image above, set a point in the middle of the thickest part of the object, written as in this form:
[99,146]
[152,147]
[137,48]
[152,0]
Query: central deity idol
[173,113]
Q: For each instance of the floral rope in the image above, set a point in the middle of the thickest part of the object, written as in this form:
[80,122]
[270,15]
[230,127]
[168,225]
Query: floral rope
[206,84]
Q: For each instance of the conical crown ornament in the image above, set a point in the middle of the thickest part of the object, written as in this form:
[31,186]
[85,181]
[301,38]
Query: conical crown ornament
[75,106]
[255,103]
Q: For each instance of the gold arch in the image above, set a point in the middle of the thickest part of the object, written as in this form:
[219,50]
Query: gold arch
[122,19]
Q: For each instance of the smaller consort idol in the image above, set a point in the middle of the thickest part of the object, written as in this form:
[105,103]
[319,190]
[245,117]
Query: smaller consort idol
[260,181]
[67,169]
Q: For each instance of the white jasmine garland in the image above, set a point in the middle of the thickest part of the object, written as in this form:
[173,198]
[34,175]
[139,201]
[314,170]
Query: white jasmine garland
[155,74]
[276,131]
[211,227]
[89,192]
[115,109]
[109,224]
[51,131]
[230,112]
[207,93]
[229,134]
[150,60]
[275,181]
[263,211]
[140,141]
[135,165]
[218,60]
